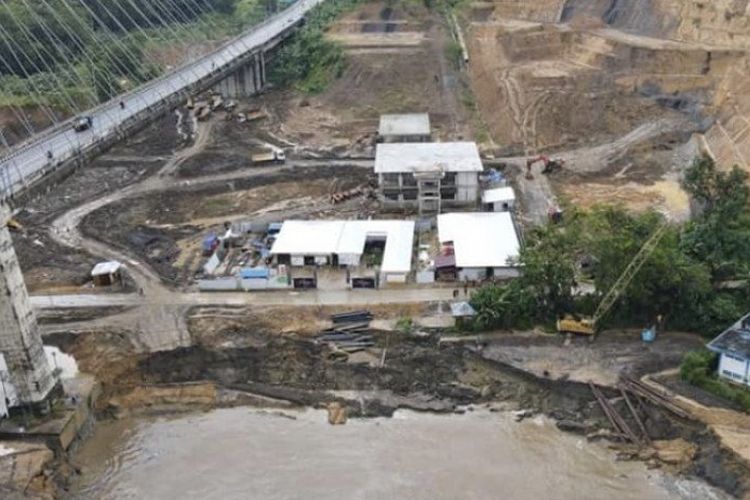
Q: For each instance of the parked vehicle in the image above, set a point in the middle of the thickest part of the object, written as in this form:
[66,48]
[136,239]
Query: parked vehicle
[83,123]
[277,156]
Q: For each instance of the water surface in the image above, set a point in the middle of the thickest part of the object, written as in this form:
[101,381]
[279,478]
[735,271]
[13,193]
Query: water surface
[247,453]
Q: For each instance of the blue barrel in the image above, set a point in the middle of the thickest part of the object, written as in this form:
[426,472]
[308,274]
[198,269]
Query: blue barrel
[648,334]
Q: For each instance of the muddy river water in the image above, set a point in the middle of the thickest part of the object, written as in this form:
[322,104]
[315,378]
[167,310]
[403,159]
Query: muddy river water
[248,453]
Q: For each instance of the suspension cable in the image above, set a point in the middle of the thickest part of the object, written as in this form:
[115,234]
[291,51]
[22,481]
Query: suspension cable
[63,91]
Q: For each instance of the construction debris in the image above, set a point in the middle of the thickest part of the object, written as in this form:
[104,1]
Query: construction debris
[337,414]
[654,395]
[351,317]
[350,332]
[342,196]
[619,424]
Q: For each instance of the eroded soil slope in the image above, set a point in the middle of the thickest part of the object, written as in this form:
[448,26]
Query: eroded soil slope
[647,84]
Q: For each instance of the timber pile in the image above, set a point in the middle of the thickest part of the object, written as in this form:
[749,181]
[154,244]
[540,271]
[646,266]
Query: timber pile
[343,196]
[621,427]
[633,392]
[655,396]
[350,332]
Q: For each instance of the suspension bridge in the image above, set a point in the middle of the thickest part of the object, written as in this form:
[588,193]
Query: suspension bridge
[240,61]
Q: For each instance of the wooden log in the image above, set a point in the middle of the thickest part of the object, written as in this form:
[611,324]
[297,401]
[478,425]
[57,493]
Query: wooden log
[635,415]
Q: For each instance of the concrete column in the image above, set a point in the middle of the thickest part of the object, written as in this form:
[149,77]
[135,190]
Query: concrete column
[20,341]
[247,80]
[262,70]
[250,88]
[241,83]
[257,71]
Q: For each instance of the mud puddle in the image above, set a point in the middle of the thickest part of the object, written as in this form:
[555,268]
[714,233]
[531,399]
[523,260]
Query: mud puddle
[244,453]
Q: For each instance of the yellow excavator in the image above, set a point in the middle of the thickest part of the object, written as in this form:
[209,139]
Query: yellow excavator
[589,325]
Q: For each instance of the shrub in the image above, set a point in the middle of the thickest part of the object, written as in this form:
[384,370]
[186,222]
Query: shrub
[309,60]
[698,369]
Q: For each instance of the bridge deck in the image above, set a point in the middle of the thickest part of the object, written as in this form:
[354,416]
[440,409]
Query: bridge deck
[29,161]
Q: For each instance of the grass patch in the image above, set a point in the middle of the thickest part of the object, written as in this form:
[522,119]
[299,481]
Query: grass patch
[453,53]
[698,368]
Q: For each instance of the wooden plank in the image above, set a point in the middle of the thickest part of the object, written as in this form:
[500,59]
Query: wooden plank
[635,415]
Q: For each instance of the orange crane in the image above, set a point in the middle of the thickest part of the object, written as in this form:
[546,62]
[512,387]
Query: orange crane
[550,166]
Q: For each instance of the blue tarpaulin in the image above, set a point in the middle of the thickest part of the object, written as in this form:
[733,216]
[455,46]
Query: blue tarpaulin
[209,242]
[254,272]
[494,176]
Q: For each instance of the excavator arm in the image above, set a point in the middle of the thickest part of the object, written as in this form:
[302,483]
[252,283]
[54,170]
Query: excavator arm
[590,325]
[629,273]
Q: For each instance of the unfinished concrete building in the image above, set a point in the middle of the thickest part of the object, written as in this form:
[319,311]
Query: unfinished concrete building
[27,379]
[428,176]
[414,127]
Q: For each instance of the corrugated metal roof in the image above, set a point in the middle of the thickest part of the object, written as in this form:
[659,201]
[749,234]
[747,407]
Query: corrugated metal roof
[735,340]
[480,239]
[104,268]
[427,157]
[405,124]
[499,195]
[348,237]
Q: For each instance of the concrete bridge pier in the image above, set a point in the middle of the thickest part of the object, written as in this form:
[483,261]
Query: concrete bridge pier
[26,379]
[249,79]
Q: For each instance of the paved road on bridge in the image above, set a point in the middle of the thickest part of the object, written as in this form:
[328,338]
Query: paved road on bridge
[29,161]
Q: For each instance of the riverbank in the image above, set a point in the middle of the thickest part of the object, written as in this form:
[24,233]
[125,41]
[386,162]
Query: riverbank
[239,365]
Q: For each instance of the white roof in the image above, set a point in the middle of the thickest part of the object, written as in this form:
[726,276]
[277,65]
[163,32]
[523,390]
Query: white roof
[330,237]
[427,157]
[408,124]
[103,268]
[498,195]
[480,239]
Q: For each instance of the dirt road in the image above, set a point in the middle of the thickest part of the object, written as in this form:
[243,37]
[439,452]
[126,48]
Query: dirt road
[157,313]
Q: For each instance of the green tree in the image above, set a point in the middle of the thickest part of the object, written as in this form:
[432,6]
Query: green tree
[716,190]
[720,235]
[548,267]
[504,306]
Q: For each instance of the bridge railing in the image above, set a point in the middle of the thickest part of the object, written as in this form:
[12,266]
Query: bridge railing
[144,88]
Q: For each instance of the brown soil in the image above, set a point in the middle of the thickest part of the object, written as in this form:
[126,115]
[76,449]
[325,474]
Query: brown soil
[25,472]
[216,327]
[418,374]
[48,266]
[546,87]
[158,227]
[396,62]
[615,353]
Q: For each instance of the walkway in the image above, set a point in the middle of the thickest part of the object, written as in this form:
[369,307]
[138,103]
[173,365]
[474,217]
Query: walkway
[266,298]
